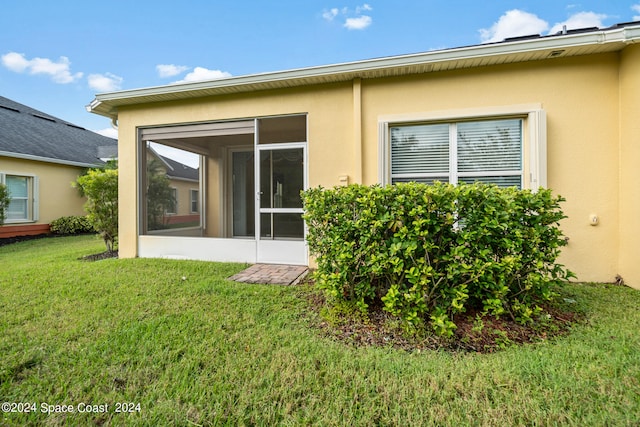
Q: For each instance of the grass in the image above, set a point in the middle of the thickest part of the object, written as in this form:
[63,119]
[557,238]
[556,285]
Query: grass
[192,348]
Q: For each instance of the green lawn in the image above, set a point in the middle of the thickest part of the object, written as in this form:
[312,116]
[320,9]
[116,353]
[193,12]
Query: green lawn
[188,347]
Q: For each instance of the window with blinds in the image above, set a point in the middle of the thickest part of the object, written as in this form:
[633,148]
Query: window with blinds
[420,153]
[488,151]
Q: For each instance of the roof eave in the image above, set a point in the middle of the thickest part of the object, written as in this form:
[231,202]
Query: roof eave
[50,160]
[180,178]
[107,104]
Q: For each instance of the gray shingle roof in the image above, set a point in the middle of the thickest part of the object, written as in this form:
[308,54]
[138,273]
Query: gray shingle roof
[29,133]
[180,170]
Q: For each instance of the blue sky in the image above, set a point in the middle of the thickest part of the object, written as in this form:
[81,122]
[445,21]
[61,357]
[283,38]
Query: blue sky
[56,55]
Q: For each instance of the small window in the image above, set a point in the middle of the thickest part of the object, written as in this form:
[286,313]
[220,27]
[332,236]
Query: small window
[194,201]
[276,130]
[488,151]
[23,192]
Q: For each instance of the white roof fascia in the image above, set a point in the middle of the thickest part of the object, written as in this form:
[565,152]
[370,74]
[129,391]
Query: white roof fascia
[49,160]
[623,35]
[175,178]
[631,34]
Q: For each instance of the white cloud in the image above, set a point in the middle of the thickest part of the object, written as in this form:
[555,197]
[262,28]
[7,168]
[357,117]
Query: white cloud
[329,15]
[636,8]
[364,8]
[60,71]
[108,132]
[15,62]
[516,23]
[200,73]
[359,23]
[170,70]
[512,24]
[105,82]
[579,20]
[353,20]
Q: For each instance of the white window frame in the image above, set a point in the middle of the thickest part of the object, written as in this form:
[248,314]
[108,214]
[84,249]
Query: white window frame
[32,200]
[192,200]
[534,144]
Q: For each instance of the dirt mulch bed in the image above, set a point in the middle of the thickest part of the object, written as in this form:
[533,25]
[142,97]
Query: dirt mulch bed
[10,240]
[100,256]
[381,329]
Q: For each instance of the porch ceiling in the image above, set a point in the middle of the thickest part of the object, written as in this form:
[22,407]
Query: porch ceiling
[534,48]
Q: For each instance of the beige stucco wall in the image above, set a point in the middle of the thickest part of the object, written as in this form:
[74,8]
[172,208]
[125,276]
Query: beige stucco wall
[127,188]
[183,193]
[580,95]
[330,129]
[215,180]
[629,177]
[56,196]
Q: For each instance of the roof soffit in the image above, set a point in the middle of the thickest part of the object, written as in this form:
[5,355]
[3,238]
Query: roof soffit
[534,49]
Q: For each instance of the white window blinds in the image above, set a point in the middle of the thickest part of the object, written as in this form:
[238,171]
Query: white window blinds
[487,151]
[490,146]
[420,153]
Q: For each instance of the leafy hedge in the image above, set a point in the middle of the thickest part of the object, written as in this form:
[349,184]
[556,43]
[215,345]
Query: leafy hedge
[4,202]
[71,225]
[429,252]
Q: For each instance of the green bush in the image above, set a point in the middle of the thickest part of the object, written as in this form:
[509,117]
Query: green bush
[71,225]
[100,186]
[427,253]
[4,202]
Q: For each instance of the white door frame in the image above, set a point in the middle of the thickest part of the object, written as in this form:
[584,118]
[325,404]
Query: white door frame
[274,251]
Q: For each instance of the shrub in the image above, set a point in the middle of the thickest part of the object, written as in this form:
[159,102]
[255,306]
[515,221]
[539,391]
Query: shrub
[427,253]
[71,225]
[4,202]
[159,195]
[100,186]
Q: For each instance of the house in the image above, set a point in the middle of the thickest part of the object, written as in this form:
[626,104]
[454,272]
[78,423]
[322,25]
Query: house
[40,155]
[183,182]
[558,111]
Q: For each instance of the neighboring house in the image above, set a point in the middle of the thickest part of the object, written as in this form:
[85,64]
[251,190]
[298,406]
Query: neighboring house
[40,156]
[184,182]
[560,111]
